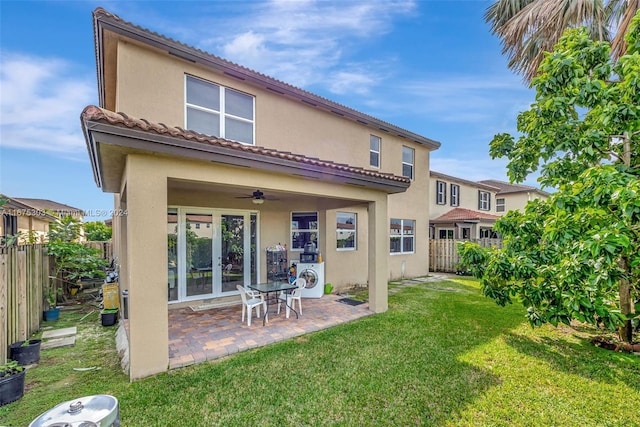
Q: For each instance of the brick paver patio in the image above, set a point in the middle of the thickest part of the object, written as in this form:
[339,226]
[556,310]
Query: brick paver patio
[197,336]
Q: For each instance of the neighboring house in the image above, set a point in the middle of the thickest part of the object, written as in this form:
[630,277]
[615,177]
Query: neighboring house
[512,197]
[207,158]
[463,209]
[32,217]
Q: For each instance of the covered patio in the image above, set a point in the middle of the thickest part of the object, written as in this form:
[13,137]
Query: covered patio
[198,336]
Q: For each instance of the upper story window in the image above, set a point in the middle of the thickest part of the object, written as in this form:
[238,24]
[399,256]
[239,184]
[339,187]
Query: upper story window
[304,229]
[216,110]
[441,192]
[455,195]
[500,205]
[408,155]
[374,151]
[484,200]
[346,231]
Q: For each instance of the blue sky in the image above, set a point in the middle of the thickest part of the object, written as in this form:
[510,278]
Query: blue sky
[431,67]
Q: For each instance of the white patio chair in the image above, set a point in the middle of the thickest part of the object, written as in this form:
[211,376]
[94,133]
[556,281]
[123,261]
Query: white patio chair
[249,302]
[291,298]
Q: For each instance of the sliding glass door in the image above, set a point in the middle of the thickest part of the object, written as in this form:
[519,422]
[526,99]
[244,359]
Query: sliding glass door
[210,252]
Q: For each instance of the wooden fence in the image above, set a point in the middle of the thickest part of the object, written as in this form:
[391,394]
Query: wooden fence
[443,253]
[24,272]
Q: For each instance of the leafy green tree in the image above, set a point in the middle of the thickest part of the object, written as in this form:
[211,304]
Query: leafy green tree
[97,231]
[575,255]
[73,260]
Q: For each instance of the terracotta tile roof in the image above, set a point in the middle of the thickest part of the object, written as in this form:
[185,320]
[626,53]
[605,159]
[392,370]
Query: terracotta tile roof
[101,115]
[193,54]
[506,187]
[461,214]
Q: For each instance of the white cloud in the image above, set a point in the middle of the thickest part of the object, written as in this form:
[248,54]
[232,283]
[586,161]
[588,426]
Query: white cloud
[305,43]
[41,104]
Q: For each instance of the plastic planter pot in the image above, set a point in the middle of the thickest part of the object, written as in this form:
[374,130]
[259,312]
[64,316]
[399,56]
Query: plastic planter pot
[51,314]
[109,317]
[25,352]
[11,384]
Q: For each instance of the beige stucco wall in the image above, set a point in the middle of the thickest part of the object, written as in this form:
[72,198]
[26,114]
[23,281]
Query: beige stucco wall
[151,85]
[38,225]
[517,201]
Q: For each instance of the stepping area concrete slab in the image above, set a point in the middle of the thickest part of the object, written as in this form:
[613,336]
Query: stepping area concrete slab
[59,333]
[59,338]
[58,342]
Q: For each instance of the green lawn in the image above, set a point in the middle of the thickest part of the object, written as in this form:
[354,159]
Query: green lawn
[442,355]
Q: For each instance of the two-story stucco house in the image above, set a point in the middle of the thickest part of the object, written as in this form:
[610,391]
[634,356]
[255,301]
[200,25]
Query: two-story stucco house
[463,209]
[211,163]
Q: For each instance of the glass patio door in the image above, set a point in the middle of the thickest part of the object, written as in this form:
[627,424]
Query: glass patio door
[199,266]
[230,250]
[210,252]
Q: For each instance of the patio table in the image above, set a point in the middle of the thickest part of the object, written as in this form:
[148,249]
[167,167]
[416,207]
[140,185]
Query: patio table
[275,288]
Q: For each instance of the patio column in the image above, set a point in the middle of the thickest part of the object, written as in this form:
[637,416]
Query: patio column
[378,255]
[146,200]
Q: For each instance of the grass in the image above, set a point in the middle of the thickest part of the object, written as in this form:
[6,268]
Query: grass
[442,355]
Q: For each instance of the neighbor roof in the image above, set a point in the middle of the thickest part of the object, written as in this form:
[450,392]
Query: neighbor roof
[106,21]
[142,134]
[461,214]
[480,184]
[506,187]
[20,207]
[49,205]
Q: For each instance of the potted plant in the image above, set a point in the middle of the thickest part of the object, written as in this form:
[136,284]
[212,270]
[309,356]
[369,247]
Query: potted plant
[25,352]
[11,382]
[52,312]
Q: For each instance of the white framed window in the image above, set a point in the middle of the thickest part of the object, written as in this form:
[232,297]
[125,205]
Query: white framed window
[441,192]
[408,155]
[484,200]
[445,233]
[375,143]
[402,232]
[455,195]
[219,111]
[500,205]
[346,231]
[304,229]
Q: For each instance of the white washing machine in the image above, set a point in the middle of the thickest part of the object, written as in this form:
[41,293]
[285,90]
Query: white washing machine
[313,273]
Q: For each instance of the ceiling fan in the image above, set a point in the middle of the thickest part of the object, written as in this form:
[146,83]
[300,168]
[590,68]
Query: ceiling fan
[257,197]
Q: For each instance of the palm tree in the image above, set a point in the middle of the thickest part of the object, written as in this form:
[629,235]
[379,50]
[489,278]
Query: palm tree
[528,28]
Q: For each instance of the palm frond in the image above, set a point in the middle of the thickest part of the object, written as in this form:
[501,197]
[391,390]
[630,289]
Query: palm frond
[622,15]
[537,26]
